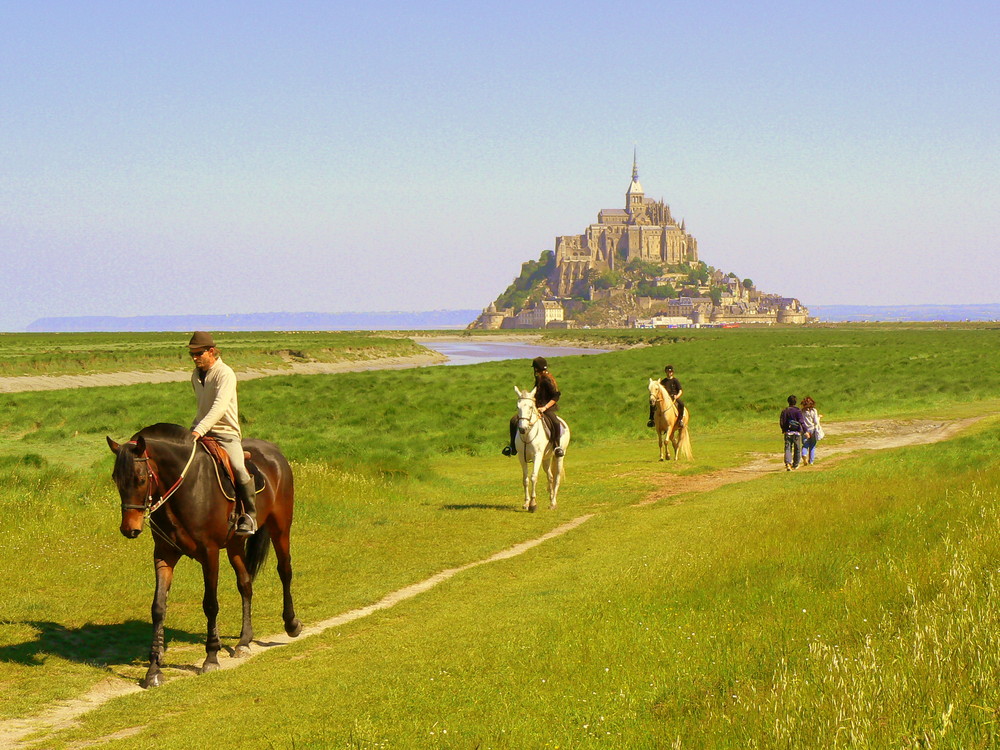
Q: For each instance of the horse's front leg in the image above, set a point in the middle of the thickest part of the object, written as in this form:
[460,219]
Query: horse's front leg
[661,436]
[210,604]
[525,477]
[282,549]
[164,568]
[245,586]
[536,465]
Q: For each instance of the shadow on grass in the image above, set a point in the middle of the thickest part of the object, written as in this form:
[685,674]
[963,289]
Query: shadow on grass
[478,506]
[97,645]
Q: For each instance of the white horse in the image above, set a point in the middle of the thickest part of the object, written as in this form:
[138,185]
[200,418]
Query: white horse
[532,443]
[669,430]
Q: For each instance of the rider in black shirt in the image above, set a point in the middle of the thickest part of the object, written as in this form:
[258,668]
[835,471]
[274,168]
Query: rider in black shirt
[547,400]
[673,386]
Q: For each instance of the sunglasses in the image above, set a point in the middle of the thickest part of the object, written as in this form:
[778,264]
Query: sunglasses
[199,352]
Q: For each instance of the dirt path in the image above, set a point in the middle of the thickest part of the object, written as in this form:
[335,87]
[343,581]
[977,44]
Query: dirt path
[852,437]
[19,383]
[873,435]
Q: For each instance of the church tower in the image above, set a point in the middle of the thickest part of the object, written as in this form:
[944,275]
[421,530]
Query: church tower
[634,196]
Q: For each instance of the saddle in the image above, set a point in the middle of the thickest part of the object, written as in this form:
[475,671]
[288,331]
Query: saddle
[224,470]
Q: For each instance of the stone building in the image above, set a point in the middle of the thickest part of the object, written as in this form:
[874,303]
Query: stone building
[644,229]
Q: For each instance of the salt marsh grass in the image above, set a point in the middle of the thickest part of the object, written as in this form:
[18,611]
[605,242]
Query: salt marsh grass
[75,353]
[854,607]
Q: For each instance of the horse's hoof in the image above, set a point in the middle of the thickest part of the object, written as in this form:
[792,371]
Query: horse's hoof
[209,666]
[241,652]
[532,508]
[294,628]
[152,681]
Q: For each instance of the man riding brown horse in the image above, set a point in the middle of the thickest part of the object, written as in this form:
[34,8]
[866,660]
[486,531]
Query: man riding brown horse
[214,384]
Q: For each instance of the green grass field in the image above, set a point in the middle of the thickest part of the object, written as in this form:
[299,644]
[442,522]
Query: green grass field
[849,607]
[76,353]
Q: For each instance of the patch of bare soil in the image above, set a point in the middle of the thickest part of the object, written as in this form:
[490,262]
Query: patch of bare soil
[851,437]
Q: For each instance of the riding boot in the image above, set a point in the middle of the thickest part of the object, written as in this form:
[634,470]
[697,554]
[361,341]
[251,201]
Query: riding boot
[556,429]
[247,523]
[650,423]
[511,450]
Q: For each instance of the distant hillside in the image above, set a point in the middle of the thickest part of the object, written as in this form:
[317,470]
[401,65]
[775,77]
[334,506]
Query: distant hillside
[903,313]
[362,321]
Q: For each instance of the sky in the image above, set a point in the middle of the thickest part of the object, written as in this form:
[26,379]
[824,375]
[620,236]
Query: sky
[221,157]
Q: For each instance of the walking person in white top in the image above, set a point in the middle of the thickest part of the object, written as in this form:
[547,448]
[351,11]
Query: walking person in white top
[214,384]
[813,427]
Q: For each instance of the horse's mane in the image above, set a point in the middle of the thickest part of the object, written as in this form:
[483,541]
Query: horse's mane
[164,431]
[124,471]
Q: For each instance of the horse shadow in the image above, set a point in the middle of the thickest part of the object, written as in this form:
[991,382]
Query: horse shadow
[478,506]
[96,645]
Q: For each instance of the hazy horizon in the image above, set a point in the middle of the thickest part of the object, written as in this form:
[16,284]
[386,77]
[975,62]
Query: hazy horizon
[164,159]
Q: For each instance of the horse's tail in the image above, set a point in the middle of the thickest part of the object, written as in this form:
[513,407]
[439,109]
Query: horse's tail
[684,448]
[256,555]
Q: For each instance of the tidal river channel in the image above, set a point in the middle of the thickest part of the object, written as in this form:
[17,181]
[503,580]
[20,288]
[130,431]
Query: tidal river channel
[473,352]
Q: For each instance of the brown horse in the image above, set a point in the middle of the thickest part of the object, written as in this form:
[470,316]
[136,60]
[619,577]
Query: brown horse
[669,430]
[163,474]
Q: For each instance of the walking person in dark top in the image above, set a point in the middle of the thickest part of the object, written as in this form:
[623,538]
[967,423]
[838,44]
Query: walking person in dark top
[547,400]
[793,427]
[673,386]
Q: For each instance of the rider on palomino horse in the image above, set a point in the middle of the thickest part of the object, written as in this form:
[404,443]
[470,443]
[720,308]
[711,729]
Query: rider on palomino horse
[547,400]
[673,386]
[214,384]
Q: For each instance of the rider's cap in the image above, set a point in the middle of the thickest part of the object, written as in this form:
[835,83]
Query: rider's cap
[201,340]
[539,363]
[668,368]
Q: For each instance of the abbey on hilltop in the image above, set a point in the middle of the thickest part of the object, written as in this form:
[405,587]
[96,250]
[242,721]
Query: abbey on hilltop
[643,230]
[634,267]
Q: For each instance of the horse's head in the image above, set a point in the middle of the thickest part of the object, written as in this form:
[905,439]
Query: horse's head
[134,479]
[527,412]
[654,390]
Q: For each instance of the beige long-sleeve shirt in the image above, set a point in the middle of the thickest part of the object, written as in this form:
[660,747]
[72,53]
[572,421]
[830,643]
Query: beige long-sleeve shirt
[218,409]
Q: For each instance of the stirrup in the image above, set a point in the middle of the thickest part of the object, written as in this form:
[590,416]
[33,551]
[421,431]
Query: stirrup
[559,452]
[508,451]
[246,525]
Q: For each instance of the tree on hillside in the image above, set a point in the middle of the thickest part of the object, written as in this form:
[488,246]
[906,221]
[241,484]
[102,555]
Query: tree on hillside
[747,284]
[531,281]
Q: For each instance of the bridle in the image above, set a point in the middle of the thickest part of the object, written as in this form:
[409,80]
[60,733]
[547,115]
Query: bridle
[662,399]
[532,418]
[153,480]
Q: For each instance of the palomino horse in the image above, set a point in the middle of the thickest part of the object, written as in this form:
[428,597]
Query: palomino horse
[669,430]
[161,473]
[532,443]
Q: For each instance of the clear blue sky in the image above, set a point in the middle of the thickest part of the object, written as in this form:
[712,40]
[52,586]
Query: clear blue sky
[205,157]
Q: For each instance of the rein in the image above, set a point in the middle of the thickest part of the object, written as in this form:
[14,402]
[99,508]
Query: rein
[534,418]
[149,506]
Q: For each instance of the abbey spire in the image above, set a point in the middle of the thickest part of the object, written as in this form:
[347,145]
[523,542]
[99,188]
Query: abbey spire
[634,195]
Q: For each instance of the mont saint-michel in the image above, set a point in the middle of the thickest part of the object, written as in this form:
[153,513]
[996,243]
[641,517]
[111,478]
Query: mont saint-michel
[635,266]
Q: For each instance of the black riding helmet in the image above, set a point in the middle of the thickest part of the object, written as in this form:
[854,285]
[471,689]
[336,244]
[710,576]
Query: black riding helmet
[539,364]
